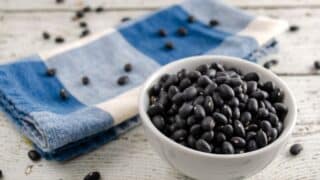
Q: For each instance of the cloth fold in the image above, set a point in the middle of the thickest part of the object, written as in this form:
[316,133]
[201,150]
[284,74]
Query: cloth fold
[95,114]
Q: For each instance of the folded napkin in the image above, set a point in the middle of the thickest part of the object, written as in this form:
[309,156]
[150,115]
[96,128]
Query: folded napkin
[95,114]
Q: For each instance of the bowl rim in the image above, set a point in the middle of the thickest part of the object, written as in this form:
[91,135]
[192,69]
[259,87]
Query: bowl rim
[147,121]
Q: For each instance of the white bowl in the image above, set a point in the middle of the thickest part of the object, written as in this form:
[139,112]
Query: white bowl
[207,166]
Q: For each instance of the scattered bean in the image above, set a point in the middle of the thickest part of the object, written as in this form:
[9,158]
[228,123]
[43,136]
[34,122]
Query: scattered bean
[122,80]
[93,176]
[296,149]
[34,155]
[85,80]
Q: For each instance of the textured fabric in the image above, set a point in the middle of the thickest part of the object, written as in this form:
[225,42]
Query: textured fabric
[63,129]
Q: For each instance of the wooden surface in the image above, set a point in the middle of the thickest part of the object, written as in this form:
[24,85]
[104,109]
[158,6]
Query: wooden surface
[131,157]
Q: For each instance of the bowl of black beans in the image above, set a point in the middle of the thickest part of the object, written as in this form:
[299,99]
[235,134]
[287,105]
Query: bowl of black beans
[217,117]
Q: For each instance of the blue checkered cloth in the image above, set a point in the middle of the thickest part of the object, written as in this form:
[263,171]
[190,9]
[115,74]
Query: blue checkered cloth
[99,112]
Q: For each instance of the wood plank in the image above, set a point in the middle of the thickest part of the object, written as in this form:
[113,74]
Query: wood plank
[18,5]
[131,157]
[19,30]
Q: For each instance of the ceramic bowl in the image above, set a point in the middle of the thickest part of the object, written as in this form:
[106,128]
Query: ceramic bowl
[208,166]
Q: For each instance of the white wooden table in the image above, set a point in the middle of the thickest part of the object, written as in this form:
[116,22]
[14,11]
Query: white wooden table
[131,157]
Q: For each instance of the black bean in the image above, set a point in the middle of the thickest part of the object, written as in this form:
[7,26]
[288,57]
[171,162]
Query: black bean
[180,122]
[269,106]
[124,19]
[262,113]
[218,101]
[293,28]
[203,81]
[260,94]
[281,108]
[238,142]
[162,33]
[252,145]
[46,35]
[179,135]
[93,176]
[208,123]
[182,74]
[182,31]
[227,111]
[226,92]
[190,93]
[194,75]
[252,76]
[199,112]
[191,19]
[234,82]
[191,141]
[251,86]
[239,129]
[195,130]
[234,102]
[191,120]
[178,98]
[279,127]
[171,80]
[85,32]
[59,40]
[316,65]
[267,65]
[59,1]
[203,146]
[250,135]
[213,22]
[169,45]
[51,72]
[164,78]
[158,122]
[155,109]
[86,9]
[99,9]
[227,148]
[79,14]
[245,117]
[276,96]
[208,136]
[220,118]
[173,90]
[83,24]
[127,67]
[184,83]
[273,119]
[208,104]
[296,149]
[252,127]
[253,105]
[222,79]
[64,94]
[261,139]
[203,68]
[220,137]
[185,110]
[235,113]
[34,155]
[269,86]
[122,80]
[85,80]
[198,100]
[217,66]
[273,134]
[209,90]
[266,126]
[228,130]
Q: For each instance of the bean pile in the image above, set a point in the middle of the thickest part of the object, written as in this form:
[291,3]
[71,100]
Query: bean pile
[216,109]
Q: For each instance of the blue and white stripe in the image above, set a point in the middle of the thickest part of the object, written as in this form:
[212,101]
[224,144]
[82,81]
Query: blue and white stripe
[101,111]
